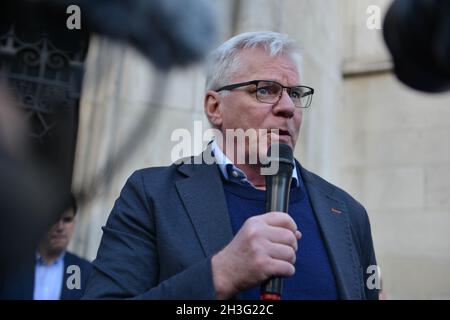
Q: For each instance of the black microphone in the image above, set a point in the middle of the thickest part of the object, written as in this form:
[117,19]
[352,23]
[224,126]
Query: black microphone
[277,199]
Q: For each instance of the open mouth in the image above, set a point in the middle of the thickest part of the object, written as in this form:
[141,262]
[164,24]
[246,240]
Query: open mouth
[283,135]
[280,132]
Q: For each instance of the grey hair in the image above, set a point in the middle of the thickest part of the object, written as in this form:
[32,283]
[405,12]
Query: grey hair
[223,62]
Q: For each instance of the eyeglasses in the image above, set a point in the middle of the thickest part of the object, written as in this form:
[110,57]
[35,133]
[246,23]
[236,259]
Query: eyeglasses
[271,92]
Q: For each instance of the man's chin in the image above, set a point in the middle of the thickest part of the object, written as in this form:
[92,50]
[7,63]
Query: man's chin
[57,246]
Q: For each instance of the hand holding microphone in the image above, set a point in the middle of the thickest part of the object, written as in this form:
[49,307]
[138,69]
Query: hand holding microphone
[264,247]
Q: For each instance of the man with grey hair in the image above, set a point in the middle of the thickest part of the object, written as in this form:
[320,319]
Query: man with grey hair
[195,230]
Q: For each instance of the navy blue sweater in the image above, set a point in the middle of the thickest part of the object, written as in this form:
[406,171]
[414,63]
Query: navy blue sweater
[314,278]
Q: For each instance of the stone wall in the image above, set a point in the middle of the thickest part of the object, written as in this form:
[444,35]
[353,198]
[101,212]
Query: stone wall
[394,157]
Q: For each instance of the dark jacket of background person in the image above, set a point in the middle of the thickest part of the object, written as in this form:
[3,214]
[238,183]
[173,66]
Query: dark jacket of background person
[22,287]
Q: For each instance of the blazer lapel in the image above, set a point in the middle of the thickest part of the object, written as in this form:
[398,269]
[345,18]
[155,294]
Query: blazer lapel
[65,292]
[204,199]
[333,220]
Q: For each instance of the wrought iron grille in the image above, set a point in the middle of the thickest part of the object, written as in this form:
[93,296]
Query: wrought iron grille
[45,79]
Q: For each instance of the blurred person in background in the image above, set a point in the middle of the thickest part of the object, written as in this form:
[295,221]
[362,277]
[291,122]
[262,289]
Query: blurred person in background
[57,274]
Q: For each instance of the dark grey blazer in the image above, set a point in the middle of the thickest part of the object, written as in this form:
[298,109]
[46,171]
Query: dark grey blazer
[169,221]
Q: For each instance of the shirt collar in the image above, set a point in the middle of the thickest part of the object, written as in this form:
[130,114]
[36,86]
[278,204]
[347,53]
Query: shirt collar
[232,173]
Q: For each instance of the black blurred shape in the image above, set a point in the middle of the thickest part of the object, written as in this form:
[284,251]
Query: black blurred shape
[417,33]
[169,32]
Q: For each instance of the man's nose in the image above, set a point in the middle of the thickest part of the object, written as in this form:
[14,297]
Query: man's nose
[285,107]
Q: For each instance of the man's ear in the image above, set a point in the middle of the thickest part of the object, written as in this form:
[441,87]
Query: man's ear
[213,110]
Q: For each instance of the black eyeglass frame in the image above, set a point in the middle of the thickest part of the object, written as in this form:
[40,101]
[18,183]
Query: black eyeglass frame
[256,82]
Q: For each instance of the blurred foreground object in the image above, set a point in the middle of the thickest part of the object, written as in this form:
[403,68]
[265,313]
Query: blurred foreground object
[169,32]
[417,33]
[24,216]
[41,71]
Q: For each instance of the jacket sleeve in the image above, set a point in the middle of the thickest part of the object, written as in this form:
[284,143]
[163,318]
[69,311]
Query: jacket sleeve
[362,236]
[369,263]
[127,264]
